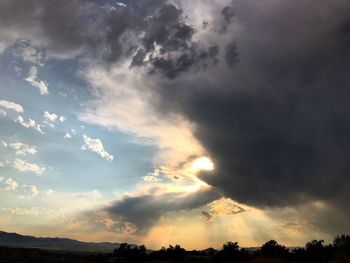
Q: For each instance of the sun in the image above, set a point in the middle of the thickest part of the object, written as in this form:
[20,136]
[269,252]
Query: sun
[202,164]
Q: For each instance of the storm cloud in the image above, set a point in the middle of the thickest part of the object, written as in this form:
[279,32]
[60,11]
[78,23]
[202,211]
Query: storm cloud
[144,211]
[107,33]
[275,118]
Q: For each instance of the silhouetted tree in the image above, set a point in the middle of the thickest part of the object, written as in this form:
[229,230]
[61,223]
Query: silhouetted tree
[230,247]
[126,251]
[272,249]
[298,255]
[161,254]
[231,251]
[176,253]
[341,245]
[317,252]
[123,250]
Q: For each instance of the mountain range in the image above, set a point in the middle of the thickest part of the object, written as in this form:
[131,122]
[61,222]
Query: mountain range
[48,243]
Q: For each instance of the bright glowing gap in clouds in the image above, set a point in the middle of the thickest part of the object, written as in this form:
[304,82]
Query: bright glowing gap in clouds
[203,164]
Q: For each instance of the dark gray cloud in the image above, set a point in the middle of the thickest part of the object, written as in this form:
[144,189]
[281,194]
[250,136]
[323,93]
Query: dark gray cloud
[107,33]
[228,14]
[277,123]
[177,53]
[192,59]
[64,28]
[206,215]
[144,211]
[231,54]
[167,31]
[75,27]
[233,210]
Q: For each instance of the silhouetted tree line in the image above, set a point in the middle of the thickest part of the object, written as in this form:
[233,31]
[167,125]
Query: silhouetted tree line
[314,251]
[135,253]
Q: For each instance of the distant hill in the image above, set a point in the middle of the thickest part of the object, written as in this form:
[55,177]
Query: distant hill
[64,244]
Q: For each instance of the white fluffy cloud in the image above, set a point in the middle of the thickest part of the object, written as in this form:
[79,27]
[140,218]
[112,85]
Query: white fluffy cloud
[21,148]
[50,116]
[24,166]
[1,178]
[121,4]
[154,176]
[29,124]
[35,82]
[67,136]
[10,184]
[11,105]
[95,145]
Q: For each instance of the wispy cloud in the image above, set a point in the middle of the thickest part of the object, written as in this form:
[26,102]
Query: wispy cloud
[21,148]
[155,176]
[96,146]
[24,166]
[32,211]
[31,124]
[11,184]
[32,190]
[11,105]
[36,82]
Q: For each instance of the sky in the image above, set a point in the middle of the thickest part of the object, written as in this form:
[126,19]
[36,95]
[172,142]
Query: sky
[191,122]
